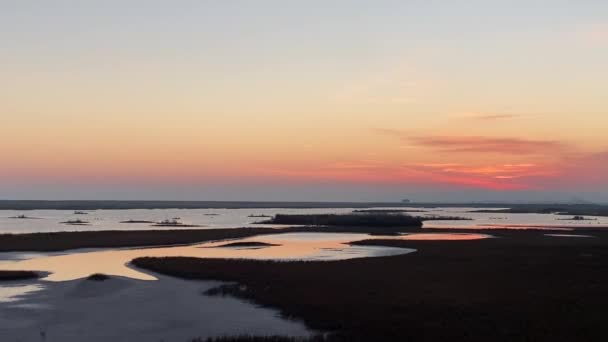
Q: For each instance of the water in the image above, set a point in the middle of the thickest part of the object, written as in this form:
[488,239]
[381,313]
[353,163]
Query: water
[121,309]
[29,307]
[50,220]
[71,266]
[78,264]
[293,246]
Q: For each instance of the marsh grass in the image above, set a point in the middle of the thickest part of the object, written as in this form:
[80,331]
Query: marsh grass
[17,275]
[98,277]
[521,287]
[349,220]
[59,241]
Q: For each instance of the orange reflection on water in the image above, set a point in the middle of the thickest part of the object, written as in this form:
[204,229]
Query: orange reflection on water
[305,246]
[291,246]
[444,236]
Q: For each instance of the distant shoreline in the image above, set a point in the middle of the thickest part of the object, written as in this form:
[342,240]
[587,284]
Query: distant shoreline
[565,209]
[118,205]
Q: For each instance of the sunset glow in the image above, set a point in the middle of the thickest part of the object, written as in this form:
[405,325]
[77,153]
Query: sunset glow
[113,100]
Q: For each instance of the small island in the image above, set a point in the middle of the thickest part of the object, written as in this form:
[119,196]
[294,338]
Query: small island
[577,218]
[348,220]
[22,217]
[251,244]
[77,222]
[98,277]
[173,223]
[445,218]
[136,221]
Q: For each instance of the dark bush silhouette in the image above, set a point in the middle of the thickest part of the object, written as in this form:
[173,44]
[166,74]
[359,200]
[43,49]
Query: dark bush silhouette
[98,277]
[17,275]
[356,220]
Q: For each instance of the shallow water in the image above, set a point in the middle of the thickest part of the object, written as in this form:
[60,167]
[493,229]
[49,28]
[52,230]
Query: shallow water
[50,220]
[293,246]
[444,236]
[77,264]
[13,291]
[120,309]
[570,235]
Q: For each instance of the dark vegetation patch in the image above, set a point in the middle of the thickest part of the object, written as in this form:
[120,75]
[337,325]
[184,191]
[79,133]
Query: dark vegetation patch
[248,244]
[17,275]
[59,241]
[174,223]
[348,220]
[519,287]
[98,277]
[22,217]
[77,222]
[578,218]
[380,211]
[136,221]
[444,218]
[262,215]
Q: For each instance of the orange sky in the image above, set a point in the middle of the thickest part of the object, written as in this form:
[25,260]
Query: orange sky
[402,95]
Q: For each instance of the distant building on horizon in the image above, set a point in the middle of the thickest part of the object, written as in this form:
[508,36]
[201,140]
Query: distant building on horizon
[406,201]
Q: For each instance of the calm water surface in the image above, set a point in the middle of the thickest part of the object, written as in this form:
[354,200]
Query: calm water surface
[50,220]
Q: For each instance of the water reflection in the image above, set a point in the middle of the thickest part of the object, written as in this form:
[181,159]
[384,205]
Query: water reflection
[13,292]
[297,246]
[289,246]
[570,235]
[444,236]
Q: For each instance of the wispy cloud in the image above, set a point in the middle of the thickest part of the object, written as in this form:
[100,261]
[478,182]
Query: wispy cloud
[476,144]
[481,144]
[486,116]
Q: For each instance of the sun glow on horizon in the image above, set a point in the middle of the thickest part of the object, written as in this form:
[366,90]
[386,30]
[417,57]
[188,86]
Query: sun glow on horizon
[279,94]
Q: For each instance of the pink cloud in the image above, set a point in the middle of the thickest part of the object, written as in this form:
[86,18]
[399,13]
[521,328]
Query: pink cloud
[480,144]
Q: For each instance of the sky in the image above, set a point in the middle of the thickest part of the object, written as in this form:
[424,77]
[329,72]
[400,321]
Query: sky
[304,100]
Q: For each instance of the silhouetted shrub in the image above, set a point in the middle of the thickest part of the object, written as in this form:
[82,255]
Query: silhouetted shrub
[17,275]
[360,220]
[98,277]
